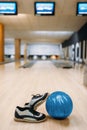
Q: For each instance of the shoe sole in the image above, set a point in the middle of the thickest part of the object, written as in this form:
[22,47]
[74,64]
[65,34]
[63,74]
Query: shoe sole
[29,121]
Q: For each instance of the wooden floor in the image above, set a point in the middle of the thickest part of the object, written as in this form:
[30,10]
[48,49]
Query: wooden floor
[18,84]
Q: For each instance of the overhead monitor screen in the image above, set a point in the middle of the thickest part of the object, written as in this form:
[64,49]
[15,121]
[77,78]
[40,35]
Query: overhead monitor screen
[44,8]
[82,8]
[8,8]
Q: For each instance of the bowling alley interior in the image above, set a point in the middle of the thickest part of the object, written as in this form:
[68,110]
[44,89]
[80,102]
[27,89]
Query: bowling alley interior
[43,50]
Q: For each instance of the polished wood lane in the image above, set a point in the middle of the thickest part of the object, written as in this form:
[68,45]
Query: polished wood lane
[18,84]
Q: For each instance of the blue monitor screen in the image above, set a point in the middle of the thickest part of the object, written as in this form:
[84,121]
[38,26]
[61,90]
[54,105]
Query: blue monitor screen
[8,8]
[82,8]
[44,8]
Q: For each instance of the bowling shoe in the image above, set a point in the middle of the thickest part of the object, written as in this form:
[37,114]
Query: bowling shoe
[28,115]
[36,101]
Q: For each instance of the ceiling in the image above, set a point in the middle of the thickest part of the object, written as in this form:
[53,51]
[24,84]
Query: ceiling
[48,29]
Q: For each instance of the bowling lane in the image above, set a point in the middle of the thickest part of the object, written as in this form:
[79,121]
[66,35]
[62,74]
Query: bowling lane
[18,84]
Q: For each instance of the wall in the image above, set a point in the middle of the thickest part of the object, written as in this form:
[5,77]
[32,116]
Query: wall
[35,49]
[78,36]
[76,45]
[44,49]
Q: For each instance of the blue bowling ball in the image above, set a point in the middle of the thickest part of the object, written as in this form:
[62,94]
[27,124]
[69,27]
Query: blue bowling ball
[59,105]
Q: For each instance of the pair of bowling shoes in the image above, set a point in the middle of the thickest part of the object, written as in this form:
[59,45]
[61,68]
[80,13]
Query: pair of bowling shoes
[28,113]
